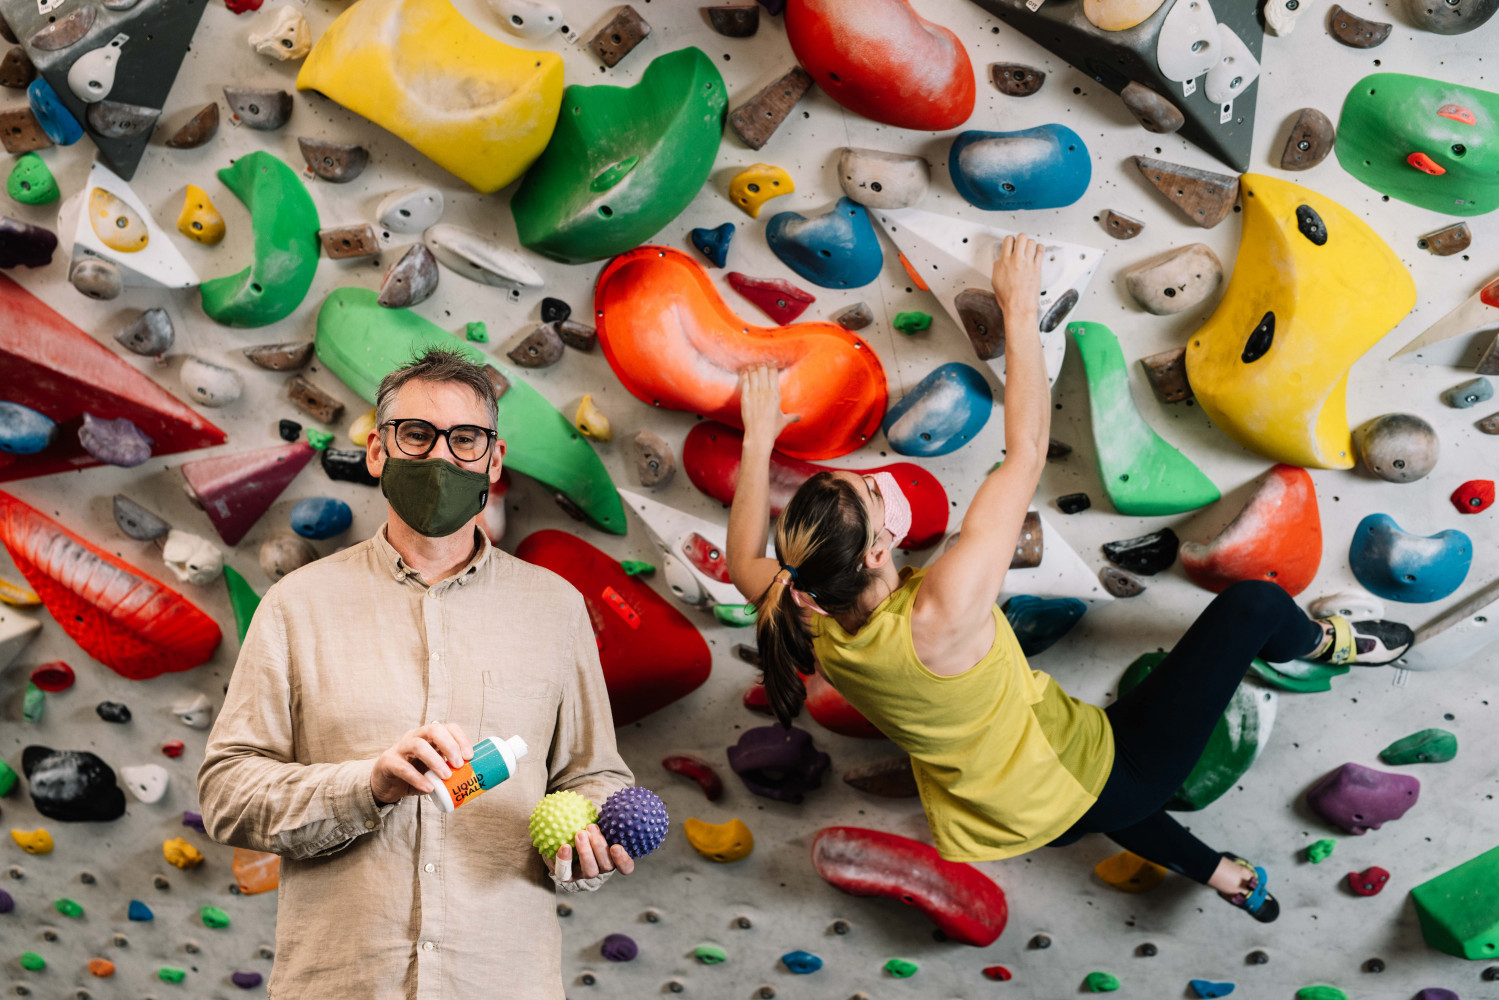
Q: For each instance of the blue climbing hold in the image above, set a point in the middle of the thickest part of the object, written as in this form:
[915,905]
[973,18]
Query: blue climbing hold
[1469,393]
[1208,990]
[1042,167]
[51,114]
[803,963]
[1038,622]
[1400,566]
[23,431]
[714,243]
[836,250]
[140,911]
[941,414]
[321,517]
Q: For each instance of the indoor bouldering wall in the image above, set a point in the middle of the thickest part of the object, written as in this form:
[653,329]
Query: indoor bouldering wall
[1229,298]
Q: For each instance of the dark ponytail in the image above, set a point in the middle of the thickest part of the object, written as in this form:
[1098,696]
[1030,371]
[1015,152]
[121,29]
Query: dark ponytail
[821,537]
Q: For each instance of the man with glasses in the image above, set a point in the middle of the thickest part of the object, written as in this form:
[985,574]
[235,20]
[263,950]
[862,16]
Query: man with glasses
[359,683]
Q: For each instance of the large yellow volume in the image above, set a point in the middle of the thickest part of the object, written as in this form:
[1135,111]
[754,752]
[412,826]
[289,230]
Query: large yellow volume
[479,108]
[1314,288]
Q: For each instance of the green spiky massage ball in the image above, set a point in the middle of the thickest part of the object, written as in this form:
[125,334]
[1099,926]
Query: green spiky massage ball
[557,818]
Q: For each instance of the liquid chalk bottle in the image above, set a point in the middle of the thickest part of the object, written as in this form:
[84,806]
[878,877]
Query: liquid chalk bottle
[493,761]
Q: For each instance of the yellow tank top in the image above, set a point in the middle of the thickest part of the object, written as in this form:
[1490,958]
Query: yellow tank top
[1004,759]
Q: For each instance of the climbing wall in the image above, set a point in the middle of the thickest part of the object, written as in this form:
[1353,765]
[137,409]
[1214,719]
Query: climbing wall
[1065,923]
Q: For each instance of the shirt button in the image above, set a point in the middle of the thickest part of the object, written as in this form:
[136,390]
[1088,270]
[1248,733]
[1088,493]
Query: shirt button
[432,595]
[429,867]
[369,824]
[435,657]
[431,722]
[428,946]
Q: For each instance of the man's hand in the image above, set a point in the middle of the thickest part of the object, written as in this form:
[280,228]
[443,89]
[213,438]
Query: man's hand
[1017,273]
[401,770]
[594,860]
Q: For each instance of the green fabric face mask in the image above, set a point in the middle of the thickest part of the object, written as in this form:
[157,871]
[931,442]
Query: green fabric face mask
[432,495]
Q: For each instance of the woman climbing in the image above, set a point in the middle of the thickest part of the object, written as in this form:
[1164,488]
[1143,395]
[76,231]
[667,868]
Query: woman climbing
[1004,759]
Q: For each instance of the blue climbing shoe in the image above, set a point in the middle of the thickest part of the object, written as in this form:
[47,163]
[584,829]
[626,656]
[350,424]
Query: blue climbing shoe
[1258,902]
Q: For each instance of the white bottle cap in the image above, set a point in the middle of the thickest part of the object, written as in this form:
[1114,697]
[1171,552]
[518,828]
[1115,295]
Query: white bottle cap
[517,746]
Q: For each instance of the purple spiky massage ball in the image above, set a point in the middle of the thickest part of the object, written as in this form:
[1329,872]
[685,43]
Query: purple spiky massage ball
[635,819]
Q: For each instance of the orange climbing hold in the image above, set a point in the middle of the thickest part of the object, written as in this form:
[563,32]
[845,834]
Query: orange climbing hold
[1129,873]
[674,342]
[101,967]
[256,871]
[1276,537]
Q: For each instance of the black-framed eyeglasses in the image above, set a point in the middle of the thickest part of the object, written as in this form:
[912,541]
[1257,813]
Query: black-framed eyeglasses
[416,438]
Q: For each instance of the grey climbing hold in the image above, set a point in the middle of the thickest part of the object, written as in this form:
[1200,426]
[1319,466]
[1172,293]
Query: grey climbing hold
[1310,141]
[264,109]
[1167,374]
[1015,79]
[1121,227]
[541,348]
[283,553]
[1120,583]
[281,357]
[877,179]
[1450,17]
[210,384]
[410,280]
[855,317]
[410,210]
[117,120]
[198,130]
[655,463]
[150,333]
[740,20]
[1154,112]
[1398,447]
[339,162]
[98,279]
[1469,393]
[114,442]
[1176,280]
[136,521]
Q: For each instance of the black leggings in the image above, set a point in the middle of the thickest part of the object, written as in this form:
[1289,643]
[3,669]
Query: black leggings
[1163,724]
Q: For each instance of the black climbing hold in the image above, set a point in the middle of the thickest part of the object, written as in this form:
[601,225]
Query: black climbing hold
[1147,554]
[112,711]
[1311,224]
[1374,965]
[1040,941]
[1073,503]
[554,310]
[563,910]
[587,979]
[1257,958]
[841,927]
[347,466]
[1059,311]
[1259,341]
[289,430]
[72,786]
[1491,974]
[743,923]
[652,917]
[1147,950]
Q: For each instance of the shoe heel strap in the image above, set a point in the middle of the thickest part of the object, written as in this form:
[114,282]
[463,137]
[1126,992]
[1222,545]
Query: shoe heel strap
[1343,647]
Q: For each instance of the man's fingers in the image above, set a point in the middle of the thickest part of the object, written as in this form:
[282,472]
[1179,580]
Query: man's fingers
[428,755]
[465,745]
[588,865]
[402,769]
[446,745]
[622,860]
[600,848]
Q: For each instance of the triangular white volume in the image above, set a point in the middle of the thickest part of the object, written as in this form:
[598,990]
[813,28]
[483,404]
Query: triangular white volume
[1480,311]
[951,255]
[15,632]
[1457,634]
[157,264]
[1062,572]
[695,564]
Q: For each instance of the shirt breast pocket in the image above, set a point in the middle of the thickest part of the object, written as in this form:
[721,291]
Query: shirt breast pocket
[520,705]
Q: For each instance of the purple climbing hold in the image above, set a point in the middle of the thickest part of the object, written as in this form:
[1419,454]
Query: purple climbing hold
[620,948]
[194,820]
[776,763]
[1359,799]
[1437,993]
[774,7]
[246,980]
[114,442]
[6,902]
[635,819]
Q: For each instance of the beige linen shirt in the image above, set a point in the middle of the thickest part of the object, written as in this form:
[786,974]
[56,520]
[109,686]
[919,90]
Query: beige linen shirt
[344,656]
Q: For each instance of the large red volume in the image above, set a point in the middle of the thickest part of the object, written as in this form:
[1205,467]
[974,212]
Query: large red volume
[880,59]
[710,457]
[650,652]
[55,368]
[961,900]
[1276,537]
[236,489]
[130,622]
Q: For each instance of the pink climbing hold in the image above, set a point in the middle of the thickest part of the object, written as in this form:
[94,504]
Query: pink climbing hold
[1276,537]
[1368,882]
[777,298]
[1473,496]
[1359,799]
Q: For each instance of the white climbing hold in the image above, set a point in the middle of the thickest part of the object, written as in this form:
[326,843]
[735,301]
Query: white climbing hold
[479,258]
[877,179]
[288,37]
[92,77]
[528,18]
[195,714]
[410,210]
[1235,69]
[192,558]
[1187,46]
[210,384]
[147,782]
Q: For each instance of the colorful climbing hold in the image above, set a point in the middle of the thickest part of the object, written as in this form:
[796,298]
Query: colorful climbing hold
[710,954]
[1129,872]
[753,186]
[1474,496]
[1459,909]
[1320,850]
[1320,993]
[103,968]
[180,853]
[838,249]
[557,818]
[1039,622]
[802,963]
[941,413]
[776,763]
[1429,746]
[724,843]
[321,517]
[911,323]
[1358,799]
[591,421]
[139,911]
[1277,536]
[619,948]
[30,182]
[998,973]
[1206,989]
[37,841]
[699,771]
[1100,982]
[1400,566]
[169,974]
[1043,167]
[32,962]
[1369,882]
[714,243]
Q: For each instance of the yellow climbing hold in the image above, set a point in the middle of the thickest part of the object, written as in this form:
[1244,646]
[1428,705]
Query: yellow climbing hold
[115,223]
[591,421]
[359,430]
[182,854]
[1129,873]
[199,220]
[731,841]
[36,842]
[754,186]
[479,108]
[18,595]
[1314,288]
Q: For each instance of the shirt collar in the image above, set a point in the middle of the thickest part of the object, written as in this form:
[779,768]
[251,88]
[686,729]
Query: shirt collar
[392,561]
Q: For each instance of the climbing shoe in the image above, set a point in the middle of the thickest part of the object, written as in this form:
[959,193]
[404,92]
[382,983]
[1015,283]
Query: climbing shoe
[1258,902]
[1370,643]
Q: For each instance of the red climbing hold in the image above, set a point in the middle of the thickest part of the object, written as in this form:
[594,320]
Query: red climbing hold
[1473,496]
[755,698]
[1368,882]
[648,663]
[1426,164]
[962,901]
[777,298]
[831,710]
[998,973]
[699,771]
[880,59]
[235,489]
[243,6]
[1276,537]
[1457,113]
[173,748]
[53,677]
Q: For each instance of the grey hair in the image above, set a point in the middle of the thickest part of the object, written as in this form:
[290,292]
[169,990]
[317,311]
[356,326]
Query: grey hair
[439,364]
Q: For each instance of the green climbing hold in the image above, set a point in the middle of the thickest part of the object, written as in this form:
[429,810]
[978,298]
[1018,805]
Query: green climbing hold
[32,962]
[167,974]
[68,907]
[242,600]
[30,182]
[911,323]
[710,954]
[476,332]
[285,224]
[32,703]
[320,440]
[1142,474]
[1233,746]
[1101,982]
[1320,993]
[361,342]
[557,818]
[900,968]
[1429,746]
[1301,676]
[735,615]
[634,567]
[1428,142]
[623,161]
[1320,851]
[214,917]
[7,779]
[1459,909]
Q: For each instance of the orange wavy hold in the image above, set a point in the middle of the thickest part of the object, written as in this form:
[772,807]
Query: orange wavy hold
[674,342]
[1276,537]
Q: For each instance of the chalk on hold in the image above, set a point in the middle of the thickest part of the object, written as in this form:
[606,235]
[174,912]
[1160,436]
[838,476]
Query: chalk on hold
[557,818]
[264,109]
[591,421]
[1204,198]
[150,334]
[777,298]
[1129,873]
[410,210]
[180,853]
[1369,882]
[1429,746]
[1042,167]
[1459,909]
[725,842]
[480,258]
[1100,982]
[1358,799]
[619,36]
[1175,280]
[941,413]
[1120,583]
[777,763]
[1354,31]
[878,179]
[740,20]
[1453,17]
[655,463]
[713,243]
[1276,537]
[1145,554]
[1400,566]
[756,120]
[1469,393]
[410,280]
[838,249]
[288,37]
[1154,112]
[1398,447]
[1119,226]
[1015,79]
[98,279]
[1451,239]
[753,186]
[1310,141]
